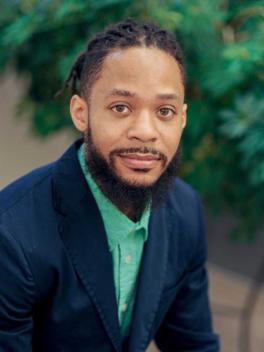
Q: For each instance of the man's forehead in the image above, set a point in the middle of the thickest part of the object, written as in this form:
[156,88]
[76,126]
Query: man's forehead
[119,92]
[148,72]
[143,60]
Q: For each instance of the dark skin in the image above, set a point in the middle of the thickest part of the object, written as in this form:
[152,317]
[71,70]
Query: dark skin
[135,113]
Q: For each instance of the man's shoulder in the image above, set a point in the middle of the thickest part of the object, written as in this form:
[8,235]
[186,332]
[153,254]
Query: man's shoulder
[186,220]
[182,194]
[184,207]
[37,184]
[19,189]
[183,187]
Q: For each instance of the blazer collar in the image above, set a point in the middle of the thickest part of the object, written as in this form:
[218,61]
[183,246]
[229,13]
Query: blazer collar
[82,230]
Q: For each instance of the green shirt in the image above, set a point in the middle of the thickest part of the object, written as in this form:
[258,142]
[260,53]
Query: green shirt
[125,240]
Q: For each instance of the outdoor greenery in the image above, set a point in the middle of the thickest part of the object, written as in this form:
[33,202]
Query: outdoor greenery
[224,45]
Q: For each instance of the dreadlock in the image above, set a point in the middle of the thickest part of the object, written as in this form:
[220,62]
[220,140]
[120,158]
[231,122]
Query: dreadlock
[125,34]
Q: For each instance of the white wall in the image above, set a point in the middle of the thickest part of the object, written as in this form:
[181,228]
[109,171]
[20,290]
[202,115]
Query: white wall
[20,151]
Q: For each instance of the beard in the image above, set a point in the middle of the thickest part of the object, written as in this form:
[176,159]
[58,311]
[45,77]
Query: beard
[130,197]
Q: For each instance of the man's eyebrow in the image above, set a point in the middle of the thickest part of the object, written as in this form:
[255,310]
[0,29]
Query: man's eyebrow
[127,93]
[168,96]
[122,93]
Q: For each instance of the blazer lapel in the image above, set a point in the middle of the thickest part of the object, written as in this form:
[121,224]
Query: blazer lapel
[151,281]
[82,231]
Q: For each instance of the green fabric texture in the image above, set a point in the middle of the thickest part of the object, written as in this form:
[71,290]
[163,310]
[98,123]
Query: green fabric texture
[126,241]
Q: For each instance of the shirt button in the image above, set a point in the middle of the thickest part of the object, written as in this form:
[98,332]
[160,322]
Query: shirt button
[128,259]
[124,307]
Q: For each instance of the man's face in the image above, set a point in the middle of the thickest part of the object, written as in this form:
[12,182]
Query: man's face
[137,113]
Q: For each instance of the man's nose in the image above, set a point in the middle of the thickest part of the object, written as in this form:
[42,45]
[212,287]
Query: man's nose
[143,127]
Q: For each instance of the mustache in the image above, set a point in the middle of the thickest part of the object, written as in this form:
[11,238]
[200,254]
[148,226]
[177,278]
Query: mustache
[141,150]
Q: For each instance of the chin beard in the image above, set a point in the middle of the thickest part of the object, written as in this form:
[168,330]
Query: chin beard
[129,197]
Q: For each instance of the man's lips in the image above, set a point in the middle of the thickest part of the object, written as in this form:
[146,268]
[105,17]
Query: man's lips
[139,161]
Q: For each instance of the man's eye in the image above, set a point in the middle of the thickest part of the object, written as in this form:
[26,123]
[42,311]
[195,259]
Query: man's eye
[120,108]
[166,112]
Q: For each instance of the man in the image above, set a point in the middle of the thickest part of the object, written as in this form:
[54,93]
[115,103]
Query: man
[104,249]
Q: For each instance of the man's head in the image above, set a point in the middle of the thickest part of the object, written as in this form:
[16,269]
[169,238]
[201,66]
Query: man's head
[131,109]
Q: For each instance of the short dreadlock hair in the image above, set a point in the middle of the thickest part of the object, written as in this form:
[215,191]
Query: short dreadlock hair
[125,34]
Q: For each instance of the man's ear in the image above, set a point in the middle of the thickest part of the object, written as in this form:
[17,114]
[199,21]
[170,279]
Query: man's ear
[79,113]
[184,115]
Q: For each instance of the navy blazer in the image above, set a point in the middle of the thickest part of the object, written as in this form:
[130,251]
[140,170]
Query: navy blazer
[56,280]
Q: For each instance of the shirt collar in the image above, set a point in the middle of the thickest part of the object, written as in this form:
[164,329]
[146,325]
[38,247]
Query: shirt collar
[117,225]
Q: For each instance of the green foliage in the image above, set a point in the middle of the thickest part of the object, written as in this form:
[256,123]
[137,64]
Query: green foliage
[245,125]
[223,41]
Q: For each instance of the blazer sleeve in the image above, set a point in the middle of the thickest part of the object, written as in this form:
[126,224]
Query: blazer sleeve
[187,325]
[16,297]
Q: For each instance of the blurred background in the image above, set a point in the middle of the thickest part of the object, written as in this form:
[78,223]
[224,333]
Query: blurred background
[223,145]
